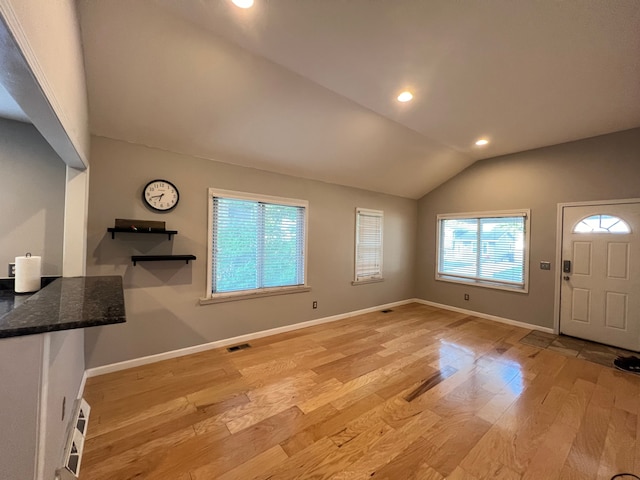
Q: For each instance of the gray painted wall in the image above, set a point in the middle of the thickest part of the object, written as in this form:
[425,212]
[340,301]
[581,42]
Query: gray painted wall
[20,369]
[32,187]
[65,370]
[32,194]
[162,298]
[22,397]
[600,168]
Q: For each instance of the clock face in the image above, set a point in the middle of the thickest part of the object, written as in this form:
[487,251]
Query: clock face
[161,195]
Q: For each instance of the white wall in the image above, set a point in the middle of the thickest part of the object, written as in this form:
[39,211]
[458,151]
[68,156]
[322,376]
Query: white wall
[32,191]
[163,312]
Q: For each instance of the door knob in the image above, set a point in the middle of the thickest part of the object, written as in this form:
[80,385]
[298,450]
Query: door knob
[566,277]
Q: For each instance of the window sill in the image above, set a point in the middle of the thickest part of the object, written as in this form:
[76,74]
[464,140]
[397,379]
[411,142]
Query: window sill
[485,284]
[232,297]
[369,280]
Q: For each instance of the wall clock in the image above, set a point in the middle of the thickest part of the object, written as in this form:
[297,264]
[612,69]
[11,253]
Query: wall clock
[160,195]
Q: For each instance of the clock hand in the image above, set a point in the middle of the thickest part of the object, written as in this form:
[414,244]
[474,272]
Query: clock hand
[157,196]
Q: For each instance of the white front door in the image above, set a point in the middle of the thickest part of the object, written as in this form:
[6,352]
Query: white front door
[600,293]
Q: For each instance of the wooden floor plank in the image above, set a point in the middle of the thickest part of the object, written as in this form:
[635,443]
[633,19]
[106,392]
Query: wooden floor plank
[411,464]
[586,451]
[388,447]
[551,455]
[453,441]
[416,393]
[619,446]
[265,461]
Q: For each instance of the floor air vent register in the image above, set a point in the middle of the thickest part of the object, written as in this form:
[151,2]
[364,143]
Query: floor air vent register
[75,443]
[235,348]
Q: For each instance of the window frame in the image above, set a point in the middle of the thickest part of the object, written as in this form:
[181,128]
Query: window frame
[602,230]
[525,213]
[370,278]
[211,297]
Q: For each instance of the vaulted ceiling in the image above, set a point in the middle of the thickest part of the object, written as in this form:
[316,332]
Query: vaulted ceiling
[308,87]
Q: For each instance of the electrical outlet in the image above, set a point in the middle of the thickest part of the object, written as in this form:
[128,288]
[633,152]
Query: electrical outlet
[466,296]
[315,304]
[12,270]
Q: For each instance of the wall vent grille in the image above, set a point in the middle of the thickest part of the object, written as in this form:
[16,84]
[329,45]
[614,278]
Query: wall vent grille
[235,348]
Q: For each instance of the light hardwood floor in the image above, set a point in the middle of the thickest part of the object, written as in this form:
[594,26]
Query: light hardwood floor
[417,393]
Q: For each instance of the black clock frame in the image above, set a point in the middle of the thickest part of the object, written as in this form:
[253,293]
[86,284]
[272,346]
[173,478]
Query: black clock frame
[146,202]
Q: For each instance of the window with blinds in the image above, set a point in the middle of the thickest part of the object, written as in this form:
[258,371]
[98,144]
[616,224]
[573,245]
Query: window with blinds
[488,249]
[368,245]
[257,242]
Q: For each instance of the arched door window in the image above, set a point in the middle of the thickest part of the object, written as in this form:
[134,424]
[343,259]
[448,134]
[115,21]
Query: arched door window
[602,224]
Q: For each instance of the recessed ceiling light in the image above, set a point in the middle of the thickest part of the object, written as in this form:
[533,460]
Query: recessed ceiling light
[482,142]
[243,3]
[405,96]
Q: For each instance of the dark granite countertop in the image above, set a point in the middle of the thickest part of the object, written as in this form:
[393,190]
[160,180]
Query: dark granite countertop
[10,300]
[66,303]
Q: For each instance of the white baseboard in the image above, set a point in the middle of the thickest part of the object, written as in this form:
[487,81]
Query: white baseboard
[486,316]
[136,362]
[83,382]
[114,367]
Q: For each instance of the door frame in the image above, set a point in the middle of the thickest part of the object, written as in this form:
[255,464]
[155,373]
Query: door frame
[559,240]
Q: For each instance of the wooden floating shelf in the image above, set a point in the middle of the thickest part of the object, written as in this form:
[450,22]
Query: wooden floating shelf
[114,230]
[160,258]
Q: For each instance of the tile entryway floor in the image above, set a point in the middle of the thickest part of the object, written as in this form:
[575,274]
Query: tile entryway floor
[576,347]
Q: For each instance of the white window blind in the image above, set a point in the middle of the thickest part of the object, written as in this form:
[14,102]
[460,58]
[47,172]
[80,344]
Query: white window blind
[369,225]
[489,249]
[256,245]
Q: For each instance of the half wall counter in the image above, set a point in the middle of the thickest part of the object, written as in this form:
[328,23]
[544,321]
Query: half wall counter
[64,304]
